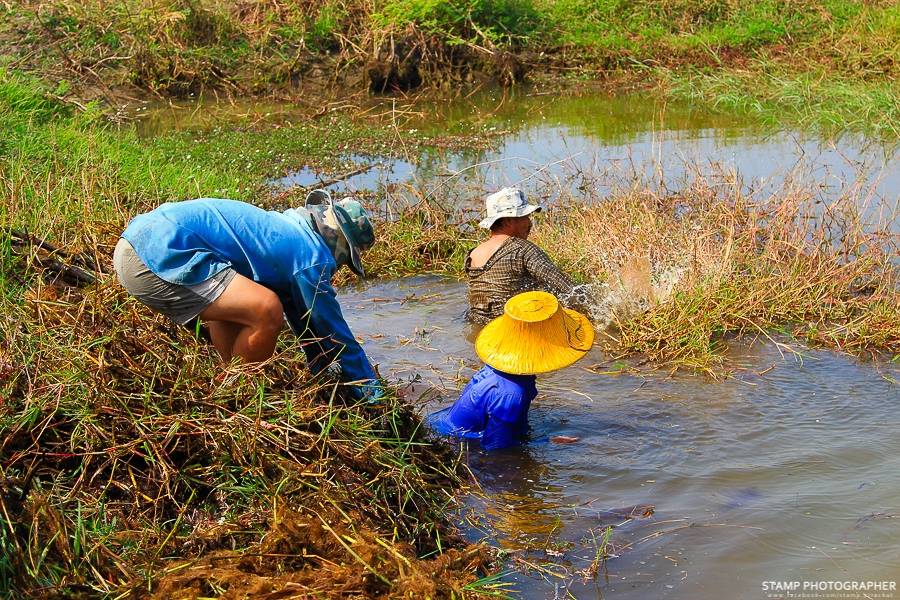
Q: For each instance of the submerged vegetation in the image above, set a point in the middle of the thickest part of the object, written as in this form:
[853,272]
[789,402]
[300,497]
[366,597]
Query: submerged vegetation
[823,61]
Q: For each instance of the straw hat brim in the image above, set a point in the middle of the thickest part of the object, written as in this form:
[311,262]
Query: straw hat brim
[507,346]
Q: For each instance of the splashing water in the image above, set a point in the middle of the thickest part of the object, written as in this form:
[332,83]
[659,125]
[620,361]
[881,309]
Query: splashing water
[605,302]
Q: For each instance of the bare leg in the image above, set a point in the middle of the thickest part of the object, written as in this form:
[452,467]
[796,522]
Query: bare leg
[224,334]
[245,320]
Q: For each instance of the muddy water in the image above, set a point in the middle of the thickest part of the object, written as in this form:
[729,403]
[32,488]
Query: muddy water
[590,144]
[788,472]
[787,475]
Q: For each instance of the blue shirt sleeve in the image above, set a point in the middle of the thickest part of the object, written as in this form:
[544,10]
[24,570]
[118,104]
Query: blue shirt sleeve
[314,307]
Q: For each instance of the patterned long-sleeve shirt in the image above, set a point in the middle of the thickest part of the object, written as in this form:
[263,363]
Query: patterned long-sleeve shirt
[517,266]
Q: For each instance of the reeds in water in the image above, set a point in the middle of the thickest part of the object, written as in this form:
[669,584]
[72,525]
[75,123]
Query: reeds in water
[710,262]
[674,275]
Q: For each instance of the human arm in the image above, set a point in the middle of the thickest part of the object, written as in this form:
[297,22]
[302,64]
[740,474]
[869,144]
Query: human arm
[543,270]
[314,307]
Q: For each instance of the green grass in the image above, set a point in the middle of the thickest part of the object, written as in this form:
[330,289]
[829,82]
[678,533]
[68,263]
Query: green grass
[63,167]
[501,22]
[810,99]
[828,61]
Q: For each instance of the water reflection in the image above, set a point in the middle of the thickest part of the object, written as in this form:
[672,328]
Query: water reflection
[588,145]
[520,506]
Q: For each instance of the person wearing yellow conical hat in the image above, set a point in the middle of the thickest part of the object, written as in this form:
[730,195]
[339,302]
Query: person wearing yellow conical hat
[534,335]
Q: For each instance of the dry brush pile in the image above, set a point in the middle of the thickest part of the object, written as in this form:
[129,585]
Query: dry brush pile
[133,463]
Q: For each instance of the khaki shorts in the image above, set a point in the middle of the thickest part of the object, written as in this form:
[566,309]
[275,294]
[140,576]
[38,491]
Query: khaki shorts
[181,303]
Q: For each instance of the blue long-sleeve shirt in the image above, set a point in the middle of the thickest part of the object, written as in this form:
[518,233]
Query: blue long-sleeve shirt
[493,407]
[188,242]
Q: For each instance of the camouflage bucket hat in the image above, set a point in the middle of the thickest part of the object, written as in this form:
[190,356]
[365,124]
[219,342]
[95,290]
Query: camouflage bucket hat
[344,226]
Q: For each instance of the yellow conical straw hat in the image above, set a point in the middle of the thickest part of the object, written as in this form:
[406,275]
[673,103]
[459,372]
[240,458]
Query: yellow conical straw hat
[534,335]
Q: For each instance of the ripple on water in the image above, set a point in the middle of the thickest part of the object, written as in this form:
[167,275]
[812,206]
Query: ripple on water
[795,474]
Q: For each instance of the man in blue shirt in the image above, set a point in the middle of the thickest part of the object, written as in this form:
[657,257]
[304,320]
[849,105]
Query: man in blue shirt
[242,270]
[534,335]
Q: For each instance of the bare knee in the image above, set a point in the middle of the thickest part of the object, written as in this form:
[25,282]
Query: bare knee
[259,342]
[269,313]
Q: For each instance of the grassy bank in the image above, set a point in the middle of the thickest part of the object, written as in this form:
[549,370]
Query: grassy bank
[817,61]
[131,462]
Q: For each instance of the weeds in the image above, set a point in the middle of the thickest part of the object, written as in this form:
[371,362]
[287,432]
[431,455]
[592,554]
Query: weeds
[131,460]
[673,276]
[127,450]
[828,62]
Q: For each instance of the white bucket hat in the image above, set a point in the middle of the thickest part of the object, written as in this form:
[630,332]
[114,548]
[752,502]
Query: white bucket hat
[508,202]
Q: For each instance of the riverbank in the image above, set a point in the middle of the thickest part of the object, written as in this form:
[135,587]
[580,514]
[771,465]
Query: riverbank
[135,465]
[132,462]
[832,64]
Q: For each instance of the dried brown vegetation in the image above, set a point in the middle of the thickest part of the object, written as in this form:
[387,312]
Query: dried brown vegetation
[133,462]
[674,275]
[721,261]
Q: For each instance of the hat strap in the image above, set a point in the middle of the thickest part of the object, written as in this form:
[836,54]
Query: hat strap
[315,224]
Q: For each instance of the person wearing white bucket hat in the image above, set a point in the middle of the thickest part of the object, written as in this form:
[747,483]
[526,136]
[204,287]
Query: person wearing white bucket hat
[507,263]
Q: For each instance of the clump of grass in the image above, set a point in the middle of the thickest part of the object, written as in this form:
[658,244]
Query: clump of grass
[711,262]
[133,460]
[420,239]
[812,99]
[180,47]
[482,22]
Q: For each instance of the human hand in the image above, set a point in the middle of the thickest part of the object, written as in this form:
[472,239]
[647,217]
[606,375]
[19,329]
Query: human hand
[371,393]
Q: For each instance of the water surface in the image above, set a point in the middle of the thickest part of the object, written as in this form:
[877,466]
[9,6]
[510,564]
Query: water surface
[584,145]
[792,475]
[790,471]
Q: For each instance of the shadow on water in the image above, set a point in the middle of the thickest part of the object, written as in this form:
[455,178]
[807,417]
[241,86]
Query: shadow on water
[790,475]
